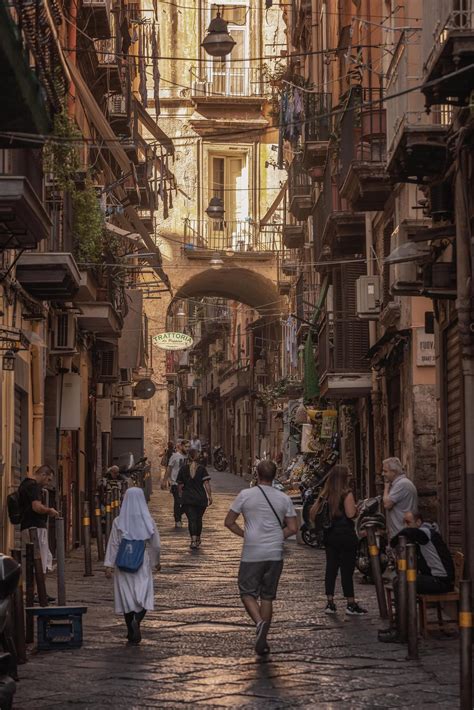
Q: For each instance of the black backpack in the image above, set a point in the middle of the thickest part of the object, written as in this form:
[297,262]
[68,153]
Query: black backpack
[322,521]
[14,508]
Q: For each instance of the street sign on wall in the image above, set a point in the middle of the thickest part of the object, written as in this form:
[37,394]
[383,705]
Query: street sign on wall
[425,348]
[173,341]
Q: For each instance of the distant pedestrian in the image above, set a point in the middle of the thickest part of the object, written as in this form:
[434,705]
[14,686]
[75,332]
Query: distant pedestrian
[340,539]
[399,495]
[174,464]
[195,489]
[270,518]
[169,451]
[195,443]
[34,512]
[133,590]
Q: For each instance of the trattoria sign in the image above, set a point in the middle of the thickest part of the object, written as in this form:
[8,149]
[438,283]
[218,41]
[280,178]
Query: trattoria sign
[173,341]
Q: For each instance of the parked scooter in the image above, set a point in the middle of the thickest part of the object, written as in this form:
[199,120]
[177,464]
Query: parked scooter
[9,577]
[370,513]
[219,459]
[137,472]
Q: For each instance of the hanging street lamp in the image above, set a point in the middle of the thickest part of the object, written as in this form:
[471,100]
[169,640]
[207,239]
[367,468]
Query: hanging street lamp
[216,262]
[218,42]
[215,209]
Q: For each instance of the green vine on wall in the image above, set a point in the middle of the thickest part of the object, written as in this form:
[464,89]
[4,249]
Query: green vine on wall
[60,152]
[87,225]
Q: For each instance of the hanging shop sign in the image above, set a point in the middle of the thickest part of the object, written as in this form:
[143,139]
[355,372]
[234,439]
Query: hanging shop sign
[12,339]
[173,341]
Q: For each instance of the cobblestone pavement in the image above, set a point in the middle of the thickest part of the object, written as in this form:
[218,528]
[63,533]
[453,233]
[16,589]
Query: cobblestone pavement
[197,648]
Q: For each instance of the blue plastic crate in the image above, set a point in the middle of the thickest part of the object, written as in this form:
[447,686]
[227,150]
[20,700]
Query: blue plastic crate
[58,627]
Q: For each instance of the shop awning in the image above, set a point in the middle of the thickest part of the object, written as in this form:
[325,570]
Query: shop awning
[274,206]
[152,126]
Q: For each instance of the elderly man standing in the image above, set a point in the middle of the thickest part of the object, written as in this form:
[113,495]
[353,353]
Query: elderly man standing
[399,495]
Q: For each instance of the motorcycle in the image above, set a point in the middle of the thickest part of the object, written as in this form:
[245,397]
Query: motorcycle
[219,459]
[370,515]
[9,577]
[138,472]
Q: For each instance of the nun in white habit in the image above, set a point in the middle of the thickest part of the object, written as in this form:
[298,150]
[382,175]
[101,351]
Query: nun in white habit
[133,591]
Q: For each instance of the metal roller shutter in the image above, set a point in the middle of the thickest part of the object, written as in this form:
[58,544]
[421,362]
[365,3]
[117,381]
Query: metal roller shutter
[454,439]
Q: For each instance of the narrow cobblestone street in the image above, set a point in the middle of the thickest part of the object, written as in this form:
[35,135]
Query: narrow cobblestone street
[198,645]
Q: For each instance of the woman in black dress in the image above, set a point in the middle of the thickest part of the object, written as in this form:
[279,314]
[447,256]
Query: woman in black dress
[195,489]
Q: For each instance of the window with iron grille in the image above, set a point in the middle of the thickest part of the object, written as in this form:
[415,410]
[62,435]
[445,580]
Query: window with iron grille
[62,330]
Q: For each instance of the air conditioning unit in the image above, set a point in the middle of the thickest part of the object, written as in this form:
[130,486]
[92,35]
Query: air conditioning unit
[407,279]
[117,104]
[107,365]
[63,335]
[368,290]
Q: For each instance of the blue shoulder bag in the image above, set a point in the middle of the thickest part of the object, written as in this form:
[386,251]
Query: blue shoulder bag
[130,555]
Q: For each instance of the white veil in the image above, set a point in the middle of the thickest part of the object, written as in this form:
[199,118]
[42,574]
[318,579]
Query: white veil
[134,520]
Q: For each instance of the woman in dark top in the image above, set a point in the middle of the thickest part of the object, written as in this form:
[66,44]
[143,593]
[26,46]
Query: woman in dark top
[195,488]
[340,540]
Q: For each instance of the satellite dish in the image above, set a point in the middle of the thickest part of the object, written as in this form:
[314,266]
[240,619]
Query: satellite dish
[145,389]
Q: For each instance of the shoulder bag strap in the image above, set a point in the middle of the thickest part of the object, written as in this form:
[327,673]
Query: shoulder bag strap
[282,525]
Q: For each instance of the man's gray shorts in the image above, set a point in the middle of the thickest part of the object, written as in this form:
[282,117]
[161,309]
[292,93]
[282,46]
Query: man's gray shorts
[260,579]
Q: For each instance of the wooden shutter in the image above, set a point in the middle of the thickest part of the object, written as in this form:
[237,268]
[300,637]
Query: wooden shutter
[453,513]
[351,335]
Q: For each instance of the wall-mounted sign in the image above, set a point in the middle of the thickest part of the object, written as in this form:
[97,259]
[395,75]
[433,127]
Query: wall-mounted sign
[12,339]
[173,341]
[425,349]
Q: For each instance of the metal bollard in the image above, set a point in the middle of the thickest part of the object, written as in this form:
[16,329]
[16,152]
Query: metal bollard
[377,572]
[30,590]
[465,635]
[116,498]
[412,616]
[108,515]
[86,529]
[98,529]
[38,566]
[401,611]
[61,561]
[19,615]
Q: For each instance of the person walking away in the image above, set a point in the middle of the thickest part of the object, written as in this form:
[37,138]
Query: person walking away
[35,514]
[196,495]
[176,461]
[133,590]
[195,443]
[399,495]
[167,454]
[340,539]
[270,518]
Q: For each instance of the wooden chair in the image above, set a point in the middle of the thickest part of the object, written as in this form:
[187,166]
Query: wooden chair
[427,600]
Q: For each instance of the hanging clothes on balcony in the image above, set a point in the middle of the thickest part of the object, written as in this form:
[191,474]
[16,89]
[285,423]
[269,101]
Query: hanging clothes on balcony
[291,114]
[142,67]
[155,69]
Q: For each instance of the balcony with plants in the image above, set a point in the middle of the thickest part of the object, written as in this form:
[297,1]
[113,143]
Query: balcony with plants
[316,133]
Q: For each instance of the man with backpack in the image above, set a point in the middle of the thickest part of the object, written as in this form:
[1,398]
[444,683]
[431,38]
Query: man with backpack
[270,518]
[34,513]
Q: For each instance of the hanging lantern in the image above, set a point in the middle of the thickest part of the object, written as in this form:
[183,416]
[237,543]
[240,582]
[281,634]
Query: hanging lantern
[9,361]
[218,42]
[215,209]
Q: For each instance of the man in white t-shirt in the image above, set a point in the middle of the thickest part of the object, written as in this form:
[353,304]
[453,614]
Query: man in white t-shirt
[196,443]
[174,464]
[270,518]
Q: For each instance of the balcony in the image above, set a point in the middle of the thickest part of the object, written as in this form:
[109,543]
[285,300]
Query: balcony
[49,276]
[316,133]
[418,152]
[364,181]
[452,49]
[287,269]
[100,318]
[95,16]
[223,82]
[299,191]
[24,222]
[335,225]
[239,236]
[234,383]
[108,72]
[342,348]
[294,236]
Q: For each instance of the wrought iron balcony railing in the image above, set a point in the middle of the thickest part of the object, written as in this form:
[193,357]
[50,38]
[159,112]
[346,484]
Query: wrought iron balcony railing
[222,80]
[231,235]
[318,121]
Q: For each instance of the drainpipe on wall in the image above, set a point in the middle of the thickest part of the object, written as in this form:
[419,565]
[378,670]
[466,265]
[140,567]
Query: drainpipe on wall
[464,304]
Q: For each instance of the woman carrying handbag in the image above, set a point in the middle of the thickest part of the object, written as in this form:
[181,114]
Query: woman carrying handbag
[337,506]
[194,484]
[133,552]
